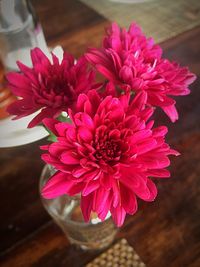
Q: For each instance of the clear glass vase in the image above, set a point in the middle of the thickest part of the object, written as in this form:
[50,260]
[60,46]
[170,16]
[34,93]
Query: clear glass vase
[66,212]
[20,31]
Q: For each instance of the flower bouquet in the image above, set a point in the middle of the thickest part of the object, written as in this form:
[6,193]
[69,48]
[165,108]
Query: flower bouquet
[104,145]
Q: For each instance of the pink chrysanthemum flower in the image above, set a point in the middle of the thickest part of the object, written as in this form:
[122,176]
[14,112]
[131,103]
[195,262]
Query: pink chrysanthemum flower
[132,40]
[131,60]
[51,87]
[108,154]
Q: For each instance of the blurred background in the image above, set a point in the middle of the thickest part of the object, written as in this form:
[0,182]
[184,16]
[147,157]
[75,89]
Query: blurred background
[164,233]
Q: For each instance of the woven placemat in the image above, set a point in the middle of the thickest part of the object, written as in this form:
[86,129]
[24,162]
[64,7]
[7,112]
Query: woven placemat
[119,255]
[161,19]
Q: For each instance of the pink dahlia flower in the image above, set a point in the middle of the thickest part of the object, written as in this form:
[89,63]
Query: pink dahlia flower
[129,59]
[108,154]
[50,87]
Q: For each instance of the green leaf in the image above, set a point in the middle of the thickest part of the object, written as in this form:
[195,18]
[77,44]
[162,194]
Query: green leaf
[63,118]
[52,137]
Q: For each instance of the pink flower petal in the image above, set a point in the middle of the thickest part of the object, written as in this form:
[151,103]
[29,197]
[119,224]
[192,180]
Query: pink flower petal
[161,173]
[38,56]
[128,199]
[58,185]
[106,181]
[160,131]
[85,134]
[86,206]
[108,74]
[139,100]
[18,79]
[69,157]
[56,149]
[87,121]
[102,200]
[118,215]
[90,187]
[153,190]
[61,128]
[79,171]
[44,113]
[50,124]
[107,204]
[20,108]
[146,145]
[75,189]
[171,112]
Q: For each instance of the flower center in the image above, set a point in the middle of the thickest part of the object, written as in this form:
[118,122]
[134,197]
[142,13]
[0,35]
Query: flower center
[55,90]
[108,150]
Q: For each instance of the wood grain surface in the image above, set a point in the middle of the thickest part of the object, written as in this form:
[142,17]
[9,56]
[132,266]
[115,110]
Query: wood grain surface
[165,233]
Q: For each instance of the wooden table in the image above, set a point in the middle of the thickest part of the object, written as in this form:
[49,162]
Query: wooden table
[165,233]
